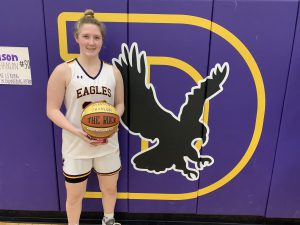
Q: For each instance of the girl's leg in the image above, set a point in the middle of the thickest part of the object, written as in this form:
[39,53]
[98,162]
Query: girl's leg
[75,194]
[108,187]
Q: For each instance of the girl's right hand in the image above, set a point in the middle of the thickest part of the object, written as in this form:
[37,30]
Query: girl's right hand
[84,136]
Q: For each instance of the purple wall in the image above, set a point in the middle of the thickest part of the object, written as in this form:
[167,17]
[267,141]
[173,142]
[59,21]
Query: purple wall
[268,37]
[285,188]
[251,137]
[176,41]
[27,163]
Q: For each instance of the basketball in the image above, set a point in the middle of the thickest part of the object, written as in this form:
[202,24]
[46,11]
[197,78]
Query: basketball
[99,120]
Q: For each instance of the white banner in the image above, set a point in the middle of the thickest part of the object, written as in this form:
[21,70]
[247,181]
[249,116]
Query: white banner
[15,66]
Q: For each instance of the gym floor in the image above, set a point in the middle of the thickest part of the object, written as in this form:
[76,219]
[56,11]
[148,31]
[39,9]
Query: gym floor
[91,218]
[133,223]
[155,223]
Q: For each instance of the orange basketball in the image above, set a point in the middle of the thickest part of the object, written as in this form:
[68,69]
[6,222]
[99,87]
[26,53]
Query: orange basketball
[100,120]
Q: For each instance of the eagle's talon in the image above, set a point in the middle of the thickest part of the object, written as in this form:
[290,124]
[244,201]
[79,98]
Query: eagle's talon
[193,175]
[204,161]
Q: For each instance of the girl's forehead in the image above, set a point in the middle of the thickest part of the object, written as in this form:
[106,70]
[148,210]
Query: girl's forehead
[88,27]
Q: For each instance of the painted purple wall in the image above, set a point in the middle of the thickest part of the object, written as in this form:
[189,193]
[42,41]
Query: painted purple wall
[259,40]
[267,29]
[284,200]
[27,163]
[171,84]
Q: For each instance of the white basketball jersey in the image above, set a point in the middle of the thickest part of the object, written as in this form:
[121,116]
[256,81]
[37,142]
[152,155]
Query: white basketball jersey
[82,90]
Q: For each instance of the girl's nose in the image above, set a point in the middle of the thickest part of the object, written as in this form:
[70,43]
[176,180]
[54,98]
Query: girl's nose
[91,41]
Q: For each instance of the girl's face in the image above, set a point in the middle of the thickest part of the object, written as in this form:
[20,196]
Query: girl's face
[90,40]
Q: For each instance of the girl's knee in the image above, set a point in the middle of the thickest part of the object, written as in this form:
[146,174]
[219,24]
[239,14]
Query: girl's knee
[73,198]
[110,190]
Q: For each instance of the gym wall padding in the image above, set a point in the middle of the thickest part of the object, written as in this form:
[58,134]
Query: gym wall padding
[27,162]
[285,187]
[175,41]
[267,30]
[253,123]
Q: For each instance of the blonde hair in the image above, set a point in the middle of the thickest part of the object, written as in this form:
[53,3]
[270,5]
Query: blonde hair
[89,18]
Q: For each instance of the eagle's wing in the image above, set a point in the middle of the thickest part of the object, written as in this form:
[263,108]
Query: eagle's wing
[192,109]
[143,113]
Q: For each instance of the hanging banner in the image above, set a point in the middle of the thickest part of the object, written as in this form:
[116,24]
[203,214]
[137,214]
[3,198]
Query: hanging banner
[15,66]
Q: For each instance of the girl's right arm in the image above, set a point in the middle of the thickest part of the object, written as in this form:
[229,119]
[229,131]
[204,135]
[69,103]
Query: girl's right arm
[56,89]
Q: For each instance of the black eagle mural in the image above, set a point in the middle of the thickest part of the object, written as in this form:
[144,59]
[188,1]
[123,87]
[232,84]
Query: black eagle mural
[172,137]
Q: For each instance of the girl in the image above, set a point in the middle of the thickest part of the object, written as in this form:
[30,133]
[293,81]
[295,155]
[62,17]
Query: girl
[70,83]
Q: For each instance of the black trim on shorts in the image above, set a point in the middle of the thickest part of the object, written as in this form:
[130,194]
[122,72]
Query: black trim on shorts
[108,174]
[76,178]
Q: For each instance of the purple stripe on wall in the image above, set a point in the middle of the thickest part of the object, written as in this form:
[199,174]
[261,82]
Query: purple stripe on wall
[27,163]
[266,29]
[266,186]
[284,199]
[189,44]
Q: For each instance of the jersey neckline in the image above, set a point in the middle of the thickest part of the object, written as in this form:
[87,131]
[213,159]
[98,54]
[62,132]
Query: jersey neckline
[101,66]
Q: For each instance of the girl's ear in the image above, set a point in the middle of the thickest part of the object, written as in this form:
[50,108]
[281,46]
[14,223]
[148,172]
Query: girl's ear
[76,38]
